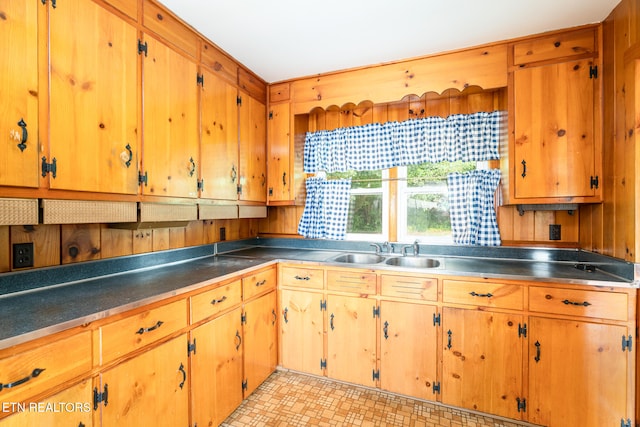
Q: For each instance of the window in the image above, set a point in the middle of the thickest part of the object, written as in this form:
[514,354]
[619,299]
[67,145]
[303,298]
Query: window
[369,204]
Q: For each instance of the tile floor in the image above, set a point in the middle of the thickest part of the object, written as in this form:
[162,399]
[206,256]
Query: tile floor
[293,399]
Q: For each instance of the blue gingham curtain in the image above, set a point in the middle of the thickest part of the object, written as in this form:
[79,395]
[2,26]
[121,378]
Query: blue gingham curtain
[326,209]
[473,217]
[466,137]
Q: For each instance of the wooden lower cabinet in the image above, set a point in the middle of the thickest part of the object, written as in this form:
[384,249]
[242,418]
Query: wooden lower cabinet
[302,331]
[351,339]
[408,342]
[149,389]
[578,373]
[216,369]
[260,340]
[70,407]
[482,361]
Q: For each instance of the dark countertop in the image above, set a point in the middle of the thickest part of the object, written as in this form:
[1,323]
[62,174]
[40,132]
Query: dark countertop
[108,287]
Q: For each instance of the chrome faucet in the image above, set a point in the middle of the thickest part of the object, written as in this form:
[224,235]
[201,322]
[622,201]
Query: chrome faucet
[379,247]
[415,247]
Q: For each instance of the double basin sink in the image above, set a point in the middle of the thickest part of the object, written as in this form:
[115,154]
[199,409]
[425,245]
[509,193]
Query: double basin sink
[397,261]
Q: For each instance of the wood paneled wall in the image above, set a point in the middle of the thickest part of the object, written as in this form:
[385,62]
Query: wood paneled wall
[64,244]
[530,228]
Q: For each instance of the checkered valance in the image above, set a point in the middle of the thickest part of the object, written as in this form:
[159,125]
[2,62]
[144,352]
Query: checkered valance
[471,206]
[326,209]
[466,137]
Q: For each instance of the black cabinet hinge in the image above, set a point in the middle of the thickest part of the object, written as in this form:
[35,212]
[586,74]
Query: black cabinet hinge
[437,319]
[143,47]
[200,184]
[239,189]
[627,343]
[245,385]
[436,387]
[594,182]
[375,375]
[243,318]
[323,363]
[53,3]
[323,305]
[200,79]
[522,330]
[100,397]
[143,179]
[239,100]
[626,423]
[522,404]
[191,347]
[376,311]
[270,115]
[49,167]
[593,72]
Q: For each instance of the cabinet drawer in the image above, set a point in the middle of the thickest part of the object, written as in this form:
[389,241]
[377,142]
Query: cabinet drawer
[357,282]
[575,302]
[26,374]
[131,333]
[303,277]
[420,288]
[499,295]
[216,300]
[557,46]
[258,283]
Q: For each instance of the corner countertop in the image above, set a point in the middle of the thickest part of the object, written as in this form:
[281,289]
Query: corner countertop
[34,304]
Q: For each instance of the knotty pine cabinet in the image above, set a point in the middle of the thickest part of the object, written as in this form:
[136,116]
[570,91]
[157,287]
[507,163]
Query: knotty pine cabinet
[555,150]
[19,94]
[171,121]
[151,388]
[279,151]
[90,139]
[252,185]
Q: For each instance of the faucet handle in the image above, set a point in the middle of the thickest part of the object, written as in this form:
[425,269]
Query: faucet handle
[377,247]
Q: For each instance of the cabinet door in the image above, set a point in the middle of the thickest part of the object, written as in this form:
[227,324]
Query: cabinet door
[260,341]
[278,162]
[482,361]
[302,331]
[171,122]
[94,102]
[150,389]
[70,407]
[253,147]
[554,153]
[408,346]
[19,94]
[578,373]
[216,369]
[219,148]
[351,344]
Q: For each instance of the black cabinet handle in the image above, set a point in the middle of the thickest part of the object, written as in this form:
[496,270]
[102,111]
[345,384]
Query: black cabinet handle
[261,283]
[537,358]
[385,329]
[524,168]
[193,166]
[25,135]
[149,329]
[449,333]
[584,304]
[331,322]
[33,374]
[302,278]
[218,301]
[239,340]
[128,162]
[184,375]
[475,294]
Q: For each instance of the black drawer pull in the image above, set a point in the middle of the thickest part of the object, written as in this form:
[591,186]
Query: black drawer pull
[302,278]
[261,283]
[152,328]
[34,374]
[218,301]
[475,294]
[584,304]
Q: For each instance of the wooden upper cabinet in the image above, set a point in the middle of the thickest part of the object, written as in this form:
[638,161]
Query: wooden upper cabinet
[253,148]
[94,144]
[19,94]
[171,122]
[554,150]
[556,46]
[279,153]
[219,138]
[169,27]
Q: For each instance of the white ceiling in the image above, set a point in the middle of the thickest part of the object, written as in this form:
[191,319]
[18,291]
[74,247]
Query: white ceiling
[284,39]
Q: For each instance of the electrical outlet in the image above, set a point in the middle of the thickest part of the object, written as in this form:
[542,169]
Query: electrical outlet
[223,233]
[554,232]
[22,255]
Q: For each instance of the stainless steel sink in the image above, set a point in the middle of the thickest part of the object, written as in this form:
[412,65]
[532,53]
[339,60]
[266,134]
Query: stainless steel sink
[413,261]
[359,258]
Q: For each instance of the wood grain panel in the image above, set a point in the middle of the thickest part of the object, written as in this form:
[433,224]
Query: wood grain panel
[115,242]
[556,46]
[485,67]
[80,242]
[5,257]
[218,62]
[162,22]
